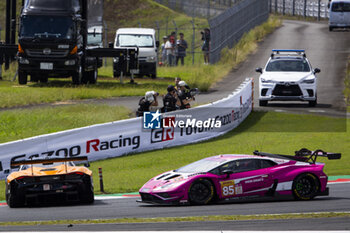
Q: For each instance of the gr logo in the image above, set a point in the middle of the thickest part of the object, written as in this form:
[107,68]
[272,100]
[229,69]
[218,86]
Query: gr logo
[162,135]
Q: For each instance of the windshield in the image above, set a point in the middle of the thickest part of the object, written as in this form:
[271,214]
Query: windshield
[35,26]
[94,39]
[204,165]
[288,66]
[135,40]
[341,7]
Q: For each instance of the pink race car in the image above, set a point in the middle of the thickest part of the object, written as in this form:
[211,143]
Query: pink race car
[230,177]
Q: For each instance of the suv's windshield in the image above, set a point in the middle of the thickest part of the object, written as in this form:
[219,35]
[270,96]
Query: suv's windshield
[125,40]
[40,26]
[288,66]
[341,7]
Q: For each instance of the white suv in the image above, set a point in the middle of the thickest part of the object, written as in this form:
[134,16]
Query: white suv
[288,76]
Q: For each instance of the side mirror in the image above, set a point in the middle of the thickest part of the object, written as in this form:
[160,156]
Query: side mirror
[227,172]
[259,70]
[157,43]
[7,171]
[110,45]
[317,70]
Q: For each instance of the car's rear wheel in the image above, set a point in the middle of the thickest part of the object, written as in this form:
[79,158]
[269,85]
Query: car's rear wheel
[305,186]
[262,102]
[201,192]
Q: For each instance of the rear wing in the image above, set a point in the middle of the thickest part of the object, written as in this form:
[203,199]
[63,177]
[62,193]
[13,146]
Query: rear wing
[15,164]
[287,52]
[302,155]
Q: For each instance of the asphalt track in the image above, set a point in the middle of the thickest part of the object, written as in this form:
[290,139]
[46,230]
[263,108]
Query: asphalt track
[337,201]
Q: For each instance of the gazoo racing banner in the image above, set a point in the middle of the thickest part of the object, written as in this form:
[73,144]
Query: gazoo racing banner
[153,131]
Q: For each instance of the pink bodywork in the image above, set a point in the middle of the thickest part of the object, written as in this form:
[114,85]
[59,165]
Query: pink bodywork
[172,187]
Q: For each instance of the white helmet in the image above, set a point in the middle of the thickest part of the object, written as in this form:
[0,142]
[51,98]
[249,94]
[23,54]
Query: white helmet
[149,96]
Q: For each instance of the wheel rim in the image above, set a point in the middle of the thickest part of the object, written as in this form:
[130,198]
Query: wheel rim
[305,186]
[199,192]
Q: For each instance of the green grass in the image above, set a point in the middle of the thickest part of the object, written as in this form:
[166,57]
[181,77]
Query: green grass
[324,215]
[258,132]
[19,124]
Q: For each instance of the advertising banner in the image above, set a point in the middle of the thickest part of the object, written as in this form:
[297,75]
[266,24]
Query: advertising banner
[153,131]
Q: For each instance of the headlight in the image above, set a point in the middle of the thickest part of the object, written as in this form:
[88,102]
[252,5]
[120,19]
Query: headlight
[266,81]
[308,81]
[150,59]
[23,61]
[69,63]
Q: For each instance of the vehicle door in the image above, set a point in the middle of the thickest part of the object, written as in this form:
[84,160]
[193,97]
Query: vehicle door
[244,177]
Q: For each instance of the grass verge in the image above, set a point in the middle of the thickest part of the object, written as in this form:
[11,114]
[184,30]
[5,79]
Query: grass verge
[185,219]
[258,132]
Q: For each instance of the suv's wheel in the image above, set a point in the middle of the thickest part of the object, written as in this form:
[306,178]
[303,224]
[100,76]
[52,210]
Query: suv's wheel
[93,76]
[201,192]
[305,186]
[22,78]
[313,103]
[262,102]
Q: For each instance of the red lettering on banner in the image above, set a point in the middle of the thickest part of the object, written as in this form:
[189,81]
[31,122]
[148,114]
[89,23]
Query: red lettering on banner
[93,143]
[168,134]
[168,122]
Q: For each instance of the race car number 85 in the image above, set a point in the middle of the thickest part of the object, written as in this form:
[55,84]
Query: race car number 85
[228,188]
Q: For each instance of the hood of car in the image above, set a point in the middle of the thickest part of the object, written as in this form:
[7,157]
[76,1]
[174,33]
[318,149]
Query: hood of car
[286,76]
[167,181]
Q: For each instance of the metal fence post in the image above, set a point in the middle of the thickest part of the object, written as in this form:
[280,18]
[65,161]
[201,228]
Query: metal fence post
[305,7]
[193,39]
[106,40]
[284,7]
[293,7]
[208,16]
[101,179]
[319,10]
[276,6]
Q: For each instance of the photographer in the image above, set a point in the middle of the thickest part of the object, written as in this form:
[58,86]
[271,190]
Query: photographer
[147,102]
[206,45]
[171,101]
[186,95]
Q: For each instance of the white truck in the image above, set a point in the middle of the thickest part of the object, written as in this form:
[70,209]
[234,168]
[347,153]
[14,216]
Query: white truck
[145,40]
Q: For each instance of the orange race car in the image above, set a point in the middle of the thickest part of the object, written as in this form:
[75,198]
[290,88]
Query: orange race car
[46,181]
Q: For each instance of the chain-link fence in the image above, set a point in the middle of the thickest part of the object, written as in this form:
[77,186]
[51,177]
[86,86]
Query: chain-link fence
[228,27]
[305,8]
[201,8]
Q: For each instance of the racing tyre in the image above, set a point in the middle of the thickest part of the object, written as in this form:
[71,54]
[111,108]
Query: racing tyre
[201,192]
[22,78]
[305,186]
[262,102]
[153,76]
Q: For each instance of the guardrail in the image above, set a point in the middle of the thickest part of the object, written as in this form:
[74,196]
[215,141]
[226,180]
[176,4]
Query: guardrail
[118,138]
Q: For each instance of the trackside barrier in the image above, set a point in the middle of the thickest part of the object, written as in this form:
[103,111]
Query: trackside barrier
[123,137]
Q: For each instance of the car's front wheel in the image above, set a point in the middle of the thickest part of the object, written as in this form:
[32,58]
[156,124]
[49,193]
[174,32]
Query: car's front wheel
[201,192]
[313,103]
[305,186]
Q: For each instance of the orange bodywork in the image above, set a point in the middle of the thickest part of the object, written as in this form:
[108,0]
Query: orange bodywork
[41,171]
